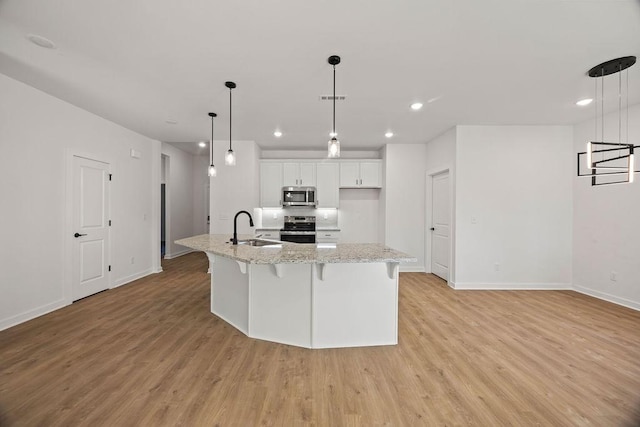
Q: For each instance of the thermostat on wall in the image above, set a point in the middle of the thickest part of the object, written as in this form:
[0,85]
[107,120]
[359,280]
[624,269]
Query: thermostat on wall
[135,154]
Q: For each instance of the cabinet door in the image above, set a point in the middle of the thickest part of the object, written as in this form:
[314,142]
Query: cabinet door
[349,174]
[327,185]
[307,176]
[270,184]
[370,174]
[290,174]
[327,236]
[268,234]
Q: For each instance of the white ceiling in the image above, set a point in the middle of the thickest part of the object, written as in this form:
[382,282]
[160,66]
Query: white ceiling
[496,62]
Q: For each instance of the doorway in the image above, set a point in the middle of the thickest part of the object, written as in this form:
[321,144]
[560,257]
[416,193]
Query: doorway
[90,183]
[440,227]
[164,203]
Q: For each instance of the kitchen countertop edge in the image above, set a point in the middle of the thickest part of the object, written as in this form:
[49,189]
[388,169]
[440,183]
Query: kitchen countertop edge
[293,253]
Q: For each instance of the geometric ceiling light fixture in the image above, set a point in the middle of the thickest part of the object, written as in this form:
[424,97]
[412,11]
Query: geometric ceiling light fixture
[212,168]
[609,162]
[334,145]
[230,157]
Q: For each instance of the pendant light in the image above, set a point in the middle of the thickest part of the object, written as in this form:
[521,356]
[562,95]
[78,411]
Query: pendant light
[230,157]
[609,162]
[212,168]
[334,145]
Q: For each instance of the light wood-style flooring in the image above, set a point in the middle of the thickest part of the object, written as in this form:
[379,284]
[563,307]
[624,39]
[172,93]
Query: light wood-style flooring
[151,354]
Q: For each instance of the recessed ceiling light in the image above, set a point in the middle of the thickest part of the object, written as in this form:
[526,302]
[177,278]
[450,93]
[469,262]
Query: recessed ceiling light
[416,106]
[202,144]
[41,41]
[388,134]
[277,134]
[171,122]
[584,102]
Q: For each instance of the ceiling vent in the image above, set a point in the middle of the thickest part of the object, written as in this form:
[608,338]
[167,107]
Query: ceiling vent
[330,97]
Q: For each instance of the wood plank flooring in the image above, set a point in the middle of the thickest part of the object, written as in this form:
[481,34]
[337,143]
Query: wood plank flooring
[151,354]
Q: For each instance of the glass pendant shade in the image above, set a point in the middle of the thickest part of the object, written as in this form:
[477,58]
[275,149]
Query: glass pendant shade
[333,147]
[230,158]
[212,171]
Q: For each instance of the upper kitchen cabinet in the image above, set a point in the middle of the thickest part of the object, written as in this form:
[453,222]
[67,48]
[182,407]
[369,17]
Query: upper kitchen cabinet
[270,184]
[298,174]
[361,174]
[327,186]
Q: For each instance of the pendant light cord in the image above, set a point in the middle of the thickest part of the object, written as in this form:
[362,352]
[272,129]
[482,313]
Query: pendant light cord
[211,144]
[334,101]
[230,112]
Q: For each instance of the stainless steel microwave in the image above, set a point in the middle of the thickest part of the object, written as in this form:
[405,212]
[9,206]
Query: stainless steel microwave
[298,196]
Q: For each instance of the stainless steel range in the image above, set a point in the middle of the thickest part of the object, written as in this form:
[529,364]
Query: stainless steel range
[299,229]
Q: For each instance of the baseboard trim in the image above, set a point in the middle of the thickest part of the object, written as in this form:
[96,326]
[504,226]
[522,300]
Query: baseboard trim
[511,286]
[411,269]
[31,314]
[131,278]
[608,297]
[177,254]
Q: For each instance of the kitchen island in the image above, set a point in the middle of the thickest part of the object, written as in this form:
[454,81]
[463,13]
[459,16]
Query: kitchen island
[307,295]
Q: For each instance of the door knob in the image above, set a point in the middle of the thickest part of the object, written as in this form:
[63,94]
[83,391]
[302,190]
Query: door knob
[78,235]
[432,228]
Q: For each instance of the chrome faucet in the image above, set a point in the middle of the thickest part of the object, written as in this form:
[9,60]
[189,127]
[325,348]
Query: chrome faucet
[235,226]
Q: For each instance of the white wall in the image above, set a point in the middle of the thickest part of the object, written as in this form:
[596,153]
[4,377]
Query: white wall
[515,182]
[440,157]
[201,194]
[358,215]
[404,201]
[38,135]
[606,231]
[236,188]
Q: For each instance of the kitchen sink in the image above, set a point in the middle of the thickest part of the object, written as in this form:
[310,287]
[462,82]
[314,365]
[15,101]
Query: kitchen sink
[259,242]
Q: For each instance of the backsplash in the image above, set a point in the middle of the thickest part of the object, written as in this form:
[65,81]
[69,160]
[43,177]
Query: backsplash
[274,218]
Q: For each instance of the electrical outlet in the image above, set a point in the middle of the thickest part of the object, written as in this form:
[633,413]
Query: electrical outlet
[133,260]
[614,276]
[496,266]
[474,220]
[275,215]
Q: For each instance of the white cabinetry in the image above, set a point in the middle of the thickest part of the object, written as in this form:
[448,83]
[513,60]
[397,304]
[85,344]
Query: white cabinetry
[298,174]
[363,174]
[328,176]
[327,236]
[267,234]
[270,184]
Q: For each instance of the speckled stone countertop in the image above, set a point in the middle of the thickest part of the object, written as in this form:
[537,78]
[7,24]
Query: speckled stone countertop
[293,253]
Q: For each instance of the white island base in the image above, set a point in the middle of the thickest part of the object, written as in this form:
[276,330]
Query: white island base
[315,305]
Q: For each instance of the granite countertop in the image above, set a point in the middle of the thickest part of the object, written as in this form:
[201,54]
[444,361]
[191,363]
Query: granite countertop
[294,253]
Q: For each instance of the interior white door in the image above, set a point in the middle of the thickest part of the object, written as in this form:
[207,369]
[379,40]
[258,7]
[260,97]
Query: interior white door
[440,237]
[90,227]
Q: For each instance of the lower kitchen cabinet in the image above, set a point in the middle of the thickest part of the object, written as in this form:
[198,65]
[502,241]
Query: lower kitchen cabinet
[267,234]
[327,236]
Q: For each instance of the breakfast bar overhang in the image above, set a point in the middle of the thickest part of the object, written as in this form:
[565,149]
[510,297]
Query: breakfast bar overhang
[343,295]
